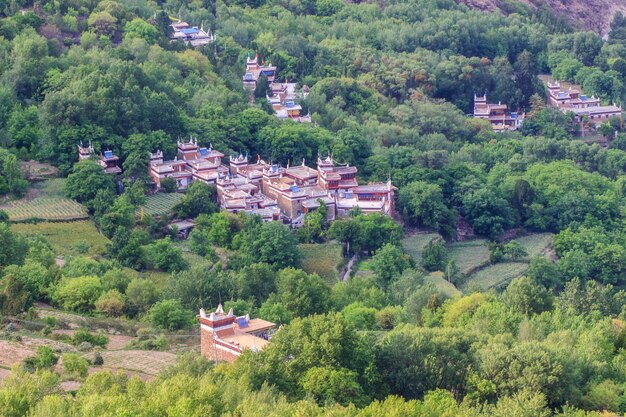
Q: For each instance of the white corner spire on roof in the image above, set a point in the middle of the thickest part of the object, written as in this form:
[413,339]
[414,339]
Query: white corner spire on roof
[220,309]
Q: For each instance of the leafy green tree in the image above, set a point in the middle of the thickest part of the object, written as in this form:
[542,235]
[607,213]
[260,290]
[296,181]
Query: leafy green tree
[24,128]
[74,366]
[86,179]
[32,277]
[78,294]
[330,385]
[141,294]
[120,214]
[11,177]
[256,281]
[116,279]
[415,360]
[111,303]
[487,212]
[422,205]
[199,198]
[359,316]
[525,296]
[139,28]
[301,293]
[169,185]
[273,310]
[388,263]
[170,315]
[43,359]
[164,256]
[272,243]
[347,231]
[544,272]
[377,230]
[434,256]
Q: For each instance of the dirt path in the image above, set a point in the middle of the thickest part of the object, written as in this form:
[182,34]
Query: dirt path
[346,274]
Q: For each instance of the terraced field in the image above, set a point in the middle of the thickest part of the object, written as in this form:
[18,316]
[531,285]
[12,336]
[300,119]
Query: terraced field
[161,204]
[439,281]
[535,243]
[63,236]
[45,201]
[469,255]
[415,244]
[322,259]
[495,276]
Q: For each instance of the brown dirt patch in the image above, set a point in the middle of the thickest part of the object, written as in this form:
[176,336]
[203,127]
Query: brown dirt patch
[140,361]
[117,342]
[4,373]
[38,170]
[13,352]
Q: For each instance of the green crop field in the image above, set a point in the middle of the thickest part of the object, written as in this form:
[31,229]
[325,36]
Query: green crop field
[415,244]
[45,201]
[469,255]
[63,235]
[535,243]
[495,276]
[161,204]
[438,280]
[323,259]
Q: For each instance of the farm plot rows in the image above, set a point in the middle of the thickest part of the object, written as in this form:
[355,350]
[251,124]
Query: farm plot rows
[322,259]
[56,209]
[415,244]
[495,276]
[469,255]
[161,204]
[63,236]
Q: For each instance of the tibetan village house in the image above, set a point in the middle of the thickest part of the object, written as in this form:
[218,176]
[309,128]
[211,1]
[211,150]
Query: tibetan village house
[284,97]
[582,105]
[193,162]
[193,36]
[254,71]
[497,114]
[285,101]
[271,191]
[107,160]
[224,336]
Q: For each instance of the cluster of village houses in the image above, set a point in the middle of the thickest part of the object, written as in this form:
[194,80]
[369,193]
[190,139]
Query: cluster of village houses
[585,108]
[269,190]
[284,97]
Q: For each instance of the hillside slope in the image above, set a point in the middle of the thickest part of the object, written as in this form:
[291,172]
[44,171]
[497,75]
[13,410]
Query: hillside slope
[594,15]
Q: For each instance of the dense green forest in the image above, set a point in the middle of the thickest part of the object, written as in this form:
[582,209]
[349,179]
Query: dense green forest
[390,84]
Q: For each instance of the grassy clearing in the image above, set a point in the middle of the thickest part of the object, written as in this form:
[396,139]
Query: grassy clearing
[147,362]
[469,255]
[535,243]
[495,276]
[161,204]
[45,201]
[323,259]
[63,236]
[438,280]
[415,244]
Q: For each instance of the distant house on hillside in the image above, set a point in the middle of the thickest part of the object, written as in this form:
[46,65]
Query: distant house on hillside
[224,336]
[192,163]
[108,161]
[254,71]
[284,97]
[582,105]
[193,36]
[497,114]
